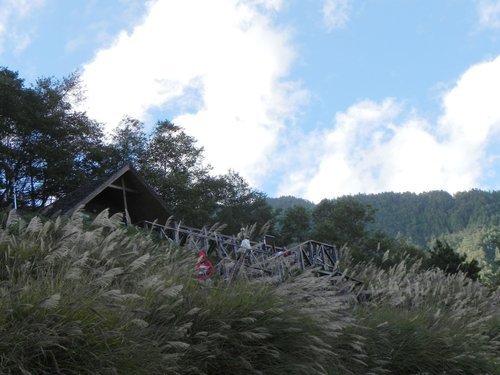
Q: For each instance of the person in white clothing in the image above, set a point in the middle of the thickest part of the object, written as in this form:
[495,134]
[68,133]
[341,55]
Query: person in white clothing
[244,246]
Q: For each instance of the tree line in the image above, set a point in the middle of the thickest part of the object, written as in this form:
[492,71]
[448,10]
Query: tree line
[421,217]
[425,216]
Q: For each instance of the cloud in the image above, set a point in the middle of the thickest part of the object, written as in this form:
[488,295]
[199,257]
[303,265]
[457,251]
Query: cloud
[376,147]
[219,68]
[489,14]
[11,12]
[336,13]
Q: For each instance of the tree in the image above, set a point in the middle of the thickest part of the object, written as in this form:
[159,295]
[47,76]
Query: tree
[15,116]
[171,151]
[443,256]
[46,148]
[385,250]
[241,205]
[296,225]
[172,164]
[289,201]
[341,221]
[129,141]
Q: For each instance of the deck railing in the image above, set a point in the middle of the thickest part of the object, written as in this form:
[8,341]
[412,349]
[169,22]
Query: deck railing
[263,255]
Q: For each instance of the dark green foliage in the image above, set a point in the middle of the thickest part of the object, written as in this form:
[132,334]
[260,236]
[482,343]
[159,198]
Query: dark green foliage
[286,202]
[445,258]
[171,151]
[129,142]
[410,221]
[173,165]
[475,208]
[483,245]
[386,251]
[423,217]
[341,221]
[420,218]
[240,205]
[34,122]
[295,225]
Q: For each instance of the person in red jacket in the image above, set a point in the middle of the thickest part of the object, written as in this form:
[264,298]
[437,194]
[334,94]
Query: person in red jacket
[203,267]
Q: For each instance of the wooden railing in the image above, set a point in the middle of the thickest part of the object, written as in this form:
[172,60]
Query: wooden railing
[262,256]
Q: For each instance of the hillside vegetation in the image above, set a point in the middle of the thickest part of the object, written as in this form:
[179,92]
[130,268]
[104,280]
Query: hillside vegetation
[420,217]
[79,297]
[37,119]
[82,296]
[468,222]
[425,216]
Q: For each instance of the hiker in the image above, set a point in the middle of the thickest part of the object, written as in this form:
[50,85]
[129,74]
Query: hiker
[244,246]
[204,268]
[242,234]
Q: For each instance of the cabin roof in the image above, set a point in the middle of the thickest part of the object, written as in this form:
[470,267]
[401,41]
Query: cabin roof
[119,191]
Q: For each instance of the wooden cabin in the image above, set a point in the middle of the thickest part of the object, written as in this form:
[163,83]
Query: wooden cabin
[123,190]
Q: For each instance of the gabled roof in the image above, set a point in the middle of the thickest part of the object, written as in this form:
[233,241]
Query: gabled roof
[123,188]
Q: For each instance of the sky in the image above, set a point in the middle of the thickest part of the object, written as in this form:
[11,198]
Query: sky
[311,98]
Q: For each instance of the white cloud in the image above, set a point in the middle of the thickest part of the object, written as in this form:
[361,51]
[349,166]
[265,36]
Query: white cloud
[11,12]
[336,13]
[227,55]
[220,69]
[489,14]
[374,148]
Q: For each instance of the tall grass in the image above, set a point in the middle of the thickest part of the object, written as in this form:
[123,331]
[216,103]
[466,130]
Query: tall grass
[97,298]
[427,322]
[403,320]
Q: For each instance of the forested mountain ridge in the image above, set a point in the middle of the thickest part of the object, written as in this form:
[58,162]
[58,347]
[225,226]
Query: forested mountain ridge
[425,216]
[288,201]
[420,217]
[467,222]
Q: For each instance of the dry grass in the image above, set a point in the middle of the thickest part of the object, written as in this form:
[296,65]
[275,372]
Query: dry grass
[95,299]
[99,299]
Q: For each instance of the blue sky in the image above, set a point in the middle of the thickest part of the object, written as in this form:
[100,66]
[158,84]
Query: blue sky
[313,98]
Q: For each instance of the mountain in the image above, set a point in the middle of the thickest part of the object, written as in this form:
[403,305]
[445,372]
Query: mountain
[285,202]
[425,216]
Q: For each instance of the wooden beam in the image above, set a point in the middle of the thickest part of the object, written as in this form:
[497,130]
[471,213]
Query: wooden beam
[125,206]
[123,187]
